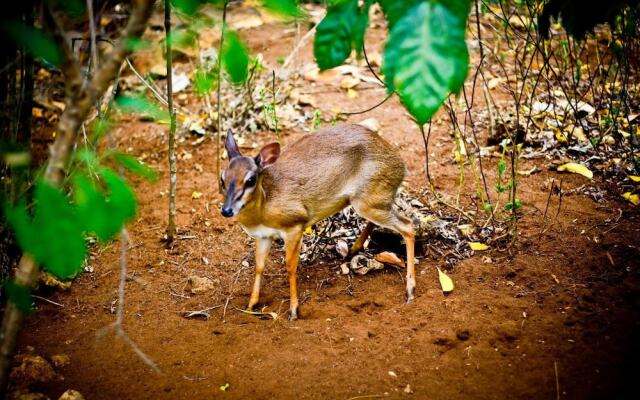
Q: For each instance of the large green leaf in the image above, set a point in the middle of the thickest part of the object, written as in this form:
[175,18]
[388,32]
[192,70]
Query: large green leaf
[394,9]
[285,8]
[140,105]
[35,41]
[104,215]
[426,56]
[136,166]
[55,236]
[235,58]
[340,31]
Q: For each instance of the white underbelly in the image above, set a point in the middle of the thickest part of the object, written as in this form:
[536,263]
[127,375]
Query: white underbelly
[263,232]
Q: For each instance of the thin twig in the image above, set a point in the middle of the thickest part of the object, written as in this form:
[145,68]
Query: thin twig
[47,300]
[555,368]
[219,130]
[173,161]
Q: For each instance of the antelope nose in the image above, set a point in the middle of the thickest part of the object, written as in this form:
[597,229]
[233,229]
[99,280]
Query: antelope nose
[226,212]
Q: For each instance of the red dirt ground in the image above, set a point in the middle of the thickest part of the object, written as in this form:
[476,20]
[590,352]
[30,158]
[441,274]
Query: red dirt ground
[497,336]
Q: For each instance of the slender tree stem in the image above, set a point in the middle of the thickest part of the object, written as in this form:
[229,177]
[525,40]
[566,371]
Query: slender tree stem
[173,167]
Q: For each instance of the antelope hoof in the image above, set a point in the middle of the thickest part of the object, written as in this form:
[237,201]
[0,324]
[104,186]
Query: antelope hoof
[293,314]
[409,296]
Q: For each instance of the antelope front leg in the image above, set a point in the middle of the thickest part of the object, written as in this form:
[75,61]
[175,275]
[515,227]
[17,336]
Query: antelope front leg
[293,242]
[262,251]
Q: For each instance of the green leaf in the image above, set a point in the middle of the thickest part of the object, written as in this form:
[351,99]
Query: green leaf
[203,82]
[394,9]
[18,295]
[285,8]
[55,236]
[35,41]
[136,166]
[502,166]
[235,58]
[426,56]
[75,8]
[186,6]
[104,215]
[340,31]
[140,105]
[510,205]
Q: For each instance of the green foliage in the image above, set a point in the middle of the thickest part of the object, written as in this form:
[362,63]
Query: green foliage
[235,58]
[186,6]
[104,214]
[285,8]
[55,235]
[341,30]
[74,8]
[140,105]
[394,9]
[18,295]
[204,81]
[426,56]
[35,41]
[510,205]
[134,165]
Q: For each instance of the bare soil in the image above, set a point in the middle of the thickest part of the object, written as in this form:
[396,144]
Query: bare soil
[555,315]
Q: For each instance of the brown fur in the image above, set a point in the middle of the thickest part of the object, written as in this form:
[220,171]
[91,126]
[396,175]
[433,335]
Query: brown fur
[314,178]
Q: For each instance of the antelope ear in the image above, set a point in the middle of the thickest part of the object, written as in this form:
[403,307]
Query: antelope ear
[231,146]
[268,155]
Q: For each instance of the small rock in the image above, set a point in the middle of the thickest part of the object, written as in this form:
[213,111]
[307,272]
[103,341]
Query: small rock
[407,389]
[344,269]
[391,373]
[60,360]
[463,335]
[71,395]
[342,248]
[200,284]
[33,369]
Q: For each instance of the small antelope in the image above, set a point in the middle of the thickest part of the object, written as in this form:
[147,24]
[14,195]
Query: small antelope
[279,195]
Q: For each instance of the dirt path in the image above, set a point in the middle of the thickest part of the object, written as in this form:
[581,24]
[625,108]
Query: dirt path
[568,297]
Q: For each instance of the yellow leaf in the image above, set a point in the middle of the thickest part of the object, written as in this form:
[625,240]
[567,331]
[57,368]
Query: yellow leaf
[576,169]
[196,195]
[634,178]
[633,198]
[555,278]
[477,246]
[352,93]
[308,231]
[445,282]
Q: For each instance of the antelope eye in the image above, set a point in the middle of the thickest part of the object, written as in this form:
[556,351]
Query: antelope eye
[222,185]
[251,181]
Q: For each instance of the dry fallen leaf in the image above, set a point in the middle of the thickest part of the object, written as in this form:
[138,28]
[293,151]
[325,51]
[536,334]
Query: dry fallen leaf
[477,246]
[196,195]
[349,82]
[387,257]
[633,198]
[445,282]
[576,169]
